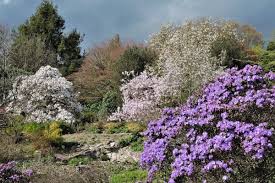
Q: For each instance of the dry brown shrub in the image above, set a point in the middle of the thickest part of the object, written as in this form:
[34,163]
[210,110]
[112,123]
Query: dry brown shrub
[9,150]
[97,75]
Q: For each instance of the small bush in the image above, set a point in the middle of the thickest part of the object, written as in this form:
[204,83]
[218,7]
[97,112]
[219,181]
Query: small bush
[109,104]
[134,141]
[43,136]
[89,116]
[9,150]
[53,132]
[137,146]
[79,161]
[135,127]
[135,58]
[269,66]
[128,176]
[15,127]
[114,127]
[95,128]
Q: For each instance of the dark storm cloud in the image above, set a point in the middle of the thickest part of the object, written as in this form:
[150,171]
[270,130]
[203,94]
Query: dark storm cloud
[136,19]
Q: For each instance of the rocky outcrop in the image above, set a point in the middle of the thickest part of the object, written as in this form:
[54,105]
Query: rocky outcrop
[103,150]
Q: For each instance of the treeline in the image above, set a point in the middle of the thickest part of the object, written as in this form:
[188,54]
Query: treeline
[101,76]
[39,41]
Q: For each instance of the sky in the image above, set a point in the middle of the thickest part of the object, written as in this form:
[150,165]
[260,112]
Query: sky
[135,20]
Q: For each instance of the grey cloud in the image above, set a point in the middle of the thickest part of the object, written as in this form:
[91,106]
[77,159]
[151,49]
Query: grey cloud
[136,19]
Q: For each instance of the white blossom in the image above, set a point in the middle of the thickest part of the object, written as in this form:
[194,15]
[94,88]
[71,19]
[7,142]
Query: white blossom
[139,98]
[185,64]
[44,96]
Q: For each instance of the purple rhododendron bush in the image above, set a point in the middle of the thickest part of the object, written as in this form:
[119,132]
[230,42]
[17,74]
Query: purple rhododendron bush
[8,173]
[225,135]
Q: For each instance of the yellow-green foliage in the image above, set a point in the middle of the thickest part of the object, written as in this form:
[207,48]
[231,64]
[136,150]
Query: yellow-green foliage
[53,132]
[43,135]
[258,50]
[134,127]
[30,129]
[110,126]
[114,127]
[95,127]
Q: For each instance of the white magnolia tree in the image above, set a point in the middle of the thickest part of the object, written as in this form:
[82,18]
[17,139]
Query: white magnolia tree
[44,96]
[185,64]
[185,60]
[139,97]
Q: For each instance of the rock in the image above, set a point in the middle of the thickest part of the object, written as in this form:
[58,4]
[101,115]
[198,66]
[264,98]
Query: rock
[113,144]
[101,148]
[124,155]
[60,157]
[65,158]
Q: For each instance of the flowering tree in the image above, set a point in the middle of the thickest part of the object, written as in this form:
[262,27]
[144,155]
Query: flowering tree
[140,97]
[185,63]
[227,134]
[185,60]
[44,96]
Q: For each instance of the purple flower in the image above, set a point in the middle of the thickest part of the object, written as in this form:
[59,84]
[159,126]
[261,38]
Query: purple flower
[209,127]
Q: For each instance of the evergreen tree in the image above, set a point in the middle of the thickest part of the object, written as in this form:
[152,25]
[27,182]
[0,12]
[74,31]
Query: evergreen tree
[47,25]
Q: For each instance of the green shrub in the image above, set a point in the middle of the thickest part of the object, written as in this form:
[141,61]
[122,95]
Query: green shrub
[129,176]
[268,60]
[33,128]
[109,104]
[126,142]
[95,128]
[114,127]
[135,127]
[79,161]
[101,109]
[43,136]
[66,128]
[137,146]
[269,66]
[229,44]
[268,56]
[135,59]
[134,141]
[15,127]
[271,46]
[89,116]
